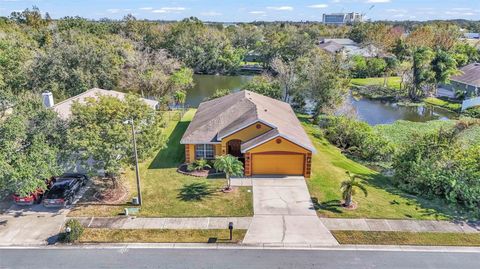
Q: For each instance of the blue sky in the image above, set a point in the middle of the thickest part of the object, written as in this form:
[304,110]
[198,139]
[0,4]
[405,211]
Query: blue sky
[250,10]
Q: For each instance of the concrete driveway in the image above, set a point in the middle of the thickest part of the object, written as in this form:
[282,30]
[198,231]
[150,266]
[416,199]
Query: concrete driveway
[32,225]
[284,214]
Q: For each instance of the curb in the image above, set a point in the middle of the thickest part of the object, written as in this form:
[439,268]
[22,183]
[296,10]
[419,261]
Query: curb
[218,246]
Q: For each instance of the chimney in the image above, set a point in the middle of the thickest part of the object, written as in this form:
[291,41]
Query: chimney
[47,98]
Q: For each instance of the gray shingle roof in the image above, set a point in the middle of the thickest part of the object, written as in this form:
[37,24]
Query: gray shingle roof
[64,108]
[219,117]
[470,75]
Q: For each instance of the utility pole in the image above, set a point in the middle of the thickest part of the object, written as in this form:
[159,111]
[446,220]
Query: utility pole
[136,163]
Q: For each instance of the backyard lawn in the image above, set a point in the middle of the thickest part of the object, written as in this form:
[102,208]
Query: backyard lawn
[392,82]
[166,193]
[383,201]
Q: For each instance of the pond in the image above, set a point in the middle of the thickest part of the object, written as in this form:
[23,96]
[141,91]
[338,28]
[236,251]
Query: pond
[372,111]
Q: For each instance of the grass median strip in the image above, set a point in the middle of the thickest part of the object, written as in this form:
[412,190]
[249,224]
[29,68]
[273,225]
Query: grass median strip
[407,238]
[94,235]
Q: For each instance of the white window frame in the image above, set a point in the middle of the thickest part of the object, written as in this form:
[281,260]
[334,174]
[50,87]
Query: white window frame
[204,150]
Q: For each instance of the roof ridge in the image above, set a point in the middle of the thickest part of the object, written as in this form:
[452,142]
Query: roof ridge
[76,96]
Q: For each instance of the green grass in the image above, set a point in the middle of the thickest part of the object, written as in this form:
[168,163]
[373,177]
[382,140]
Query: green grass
[329,168]
[392,82]
[407,238]
[166,193]
[443,104]
[399,132]
[94,235]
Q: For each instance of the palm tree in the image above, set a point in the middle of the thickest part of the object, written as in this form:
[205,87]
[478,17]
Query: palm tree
[349,187]
[230,165]
[180,97]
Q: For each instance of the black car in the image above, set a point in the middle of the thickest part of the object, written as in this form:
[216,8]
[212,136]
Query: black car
[64,190]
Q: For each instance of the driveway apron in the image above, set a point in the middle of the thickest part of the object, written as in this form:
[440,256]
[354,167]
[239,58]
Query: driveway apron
[284,214]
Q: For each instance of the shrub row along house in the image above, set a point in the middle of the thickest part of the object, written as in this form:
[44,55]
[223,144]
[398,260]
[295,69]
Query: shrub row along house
[262,132]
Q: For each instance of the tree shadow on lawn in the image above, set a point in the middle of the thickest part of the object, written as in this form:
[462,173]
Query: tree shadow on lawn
[196,191]
[426,207]
[333,206]
[173,153]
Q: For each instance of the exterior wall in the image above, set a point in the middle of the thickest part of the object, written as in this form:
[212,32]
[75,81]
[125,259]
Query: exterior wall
[244,135]
[189,153]
[284,146]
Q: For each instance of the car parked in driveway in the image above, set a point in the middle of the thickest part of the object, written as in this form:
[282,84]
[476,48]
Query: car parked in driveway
[63,191]
[34,197]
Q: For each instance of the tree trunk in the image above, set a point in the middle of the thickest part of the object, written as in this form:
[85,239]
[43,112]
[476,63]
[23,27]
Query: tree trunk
[229,182]
[348,200]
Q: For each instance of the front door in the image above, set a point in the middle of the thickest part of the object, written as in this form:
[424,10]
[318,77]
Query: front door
[234,148]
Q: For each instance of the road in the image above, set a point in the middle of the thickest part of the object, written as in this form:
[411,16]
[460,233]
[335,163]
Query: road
[230,258]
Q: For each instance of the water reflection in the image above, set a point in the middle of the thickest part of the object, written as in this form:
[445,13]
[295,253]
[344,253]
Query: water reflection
[372,111]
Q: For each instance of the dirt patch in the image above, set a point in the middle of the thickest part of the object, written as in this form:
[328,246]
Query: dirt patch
[103,191]
[198,173]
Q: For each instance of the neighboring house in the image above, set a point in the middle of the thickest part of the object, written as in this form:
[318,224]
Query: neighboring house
[467,82]
[64,111]
[348,47]
[64,108]
[262,132]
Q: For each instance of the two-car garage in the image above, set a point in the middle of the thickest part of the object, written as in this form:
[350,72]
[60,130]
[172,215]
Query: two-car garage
[278,164]
[278,156]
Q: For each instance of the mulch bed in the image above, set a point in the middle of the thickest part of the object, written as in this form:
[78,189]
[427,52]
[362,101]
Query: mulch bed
[102,191]
[182,169]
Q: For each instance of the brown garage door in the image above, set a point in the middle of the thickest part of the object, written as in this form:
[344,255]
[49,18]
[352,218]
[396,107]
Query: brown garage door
[277,164]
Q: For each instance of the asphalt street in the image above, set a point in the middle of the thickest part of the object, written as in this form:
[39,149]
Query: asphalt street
[231,258]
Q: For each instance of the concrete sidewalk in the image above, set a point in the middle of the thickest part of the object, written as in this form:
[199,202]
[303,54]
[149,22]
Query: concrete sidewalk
[400,225]
[165,223]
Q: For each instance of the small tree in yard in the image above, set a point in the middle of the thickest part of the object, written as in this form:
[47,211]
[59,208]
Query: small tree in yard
[349,187]
[98,131]
[230,165]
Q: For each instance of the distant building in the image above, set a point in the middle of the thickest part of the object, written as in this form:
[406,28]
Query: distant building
[467,83]
[342,18]
[348,47]
[471,35]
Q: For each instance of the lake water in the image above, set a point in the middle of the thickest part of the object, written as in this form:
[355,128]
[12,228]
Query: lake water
[372,111]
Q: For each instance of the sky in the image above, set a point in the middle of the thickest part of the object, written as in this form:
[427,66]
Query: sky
[251,10]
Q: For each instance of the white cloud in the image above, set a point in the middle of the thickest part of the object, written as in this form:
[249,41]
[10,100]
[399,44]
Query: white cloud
[257,12]
[396,10]
[378,1]
[211,13]
[168,9]
[458,13]
[318,6]
[461,9]
[281,8]
[146,8]
[113,10]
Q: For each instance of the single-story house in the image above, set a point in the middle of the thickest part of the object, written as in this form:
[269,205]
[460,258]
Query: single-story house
[467,82]
[64,108]
[262,132]
[348,47]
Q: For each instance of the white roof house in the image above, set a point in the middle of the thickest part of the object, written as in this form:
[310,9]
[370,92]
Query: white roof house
[64,108]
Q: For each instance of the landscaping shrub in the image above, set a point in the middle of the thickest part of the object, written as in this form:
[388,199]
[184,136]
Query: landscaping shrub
[198,165]
[436,165]
[356,138]
[76,231]
[473,112]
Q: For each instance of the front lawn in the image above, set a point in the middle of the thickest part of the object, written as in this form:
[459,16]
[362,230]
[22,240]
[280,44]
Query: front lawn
[166,193]
[407,238]
[384,200]
[91,235]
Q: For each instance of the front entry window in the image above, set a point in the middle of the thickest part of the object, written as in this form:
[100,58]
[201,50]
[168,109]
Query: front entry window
[205,151]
